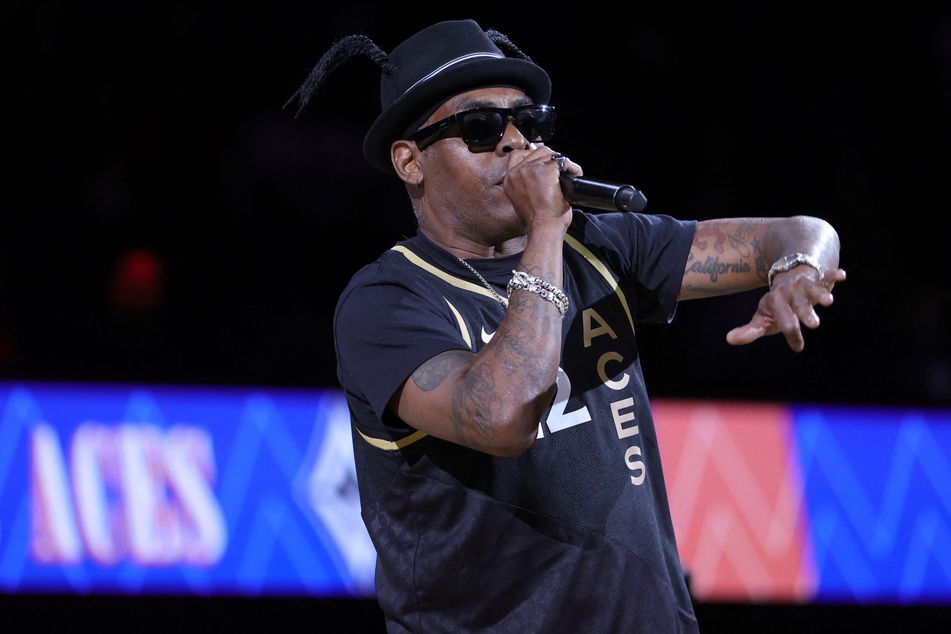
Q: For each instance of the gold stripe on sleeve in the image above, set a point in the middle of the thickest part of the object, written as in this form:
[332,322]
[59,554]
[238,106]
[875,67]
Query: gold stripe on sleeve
[390,445]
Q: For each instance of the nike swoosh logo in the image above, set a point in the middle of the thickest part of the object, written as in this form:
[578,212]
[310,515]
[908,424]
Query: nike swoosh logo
[486,336]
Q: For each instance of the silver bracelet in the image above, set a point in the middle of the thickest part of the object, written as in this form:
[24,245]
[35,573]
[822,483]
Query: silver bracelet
[788,262]
[525,282]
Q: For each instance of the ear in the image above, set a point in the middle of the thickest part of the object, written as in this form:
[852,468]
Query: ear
[404,156]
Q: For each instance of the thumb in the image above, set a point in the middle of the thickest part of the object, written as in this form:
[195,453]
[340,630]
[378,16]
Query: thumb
[743,335]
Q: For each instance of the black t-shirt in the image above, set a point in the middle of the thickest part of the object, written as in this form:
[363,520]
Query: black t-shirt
[575,533]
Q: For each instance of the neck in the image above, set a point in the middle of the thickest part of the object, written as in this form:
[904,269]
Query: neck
[465,248]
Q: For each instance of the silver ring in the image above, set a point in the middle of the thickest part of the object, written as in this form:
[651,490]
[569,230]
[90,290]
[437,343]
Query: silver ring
[560,159]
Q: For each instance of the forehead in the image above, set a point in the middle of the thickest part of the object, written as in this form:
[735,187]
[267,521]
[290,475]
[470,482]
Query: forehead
[495,97]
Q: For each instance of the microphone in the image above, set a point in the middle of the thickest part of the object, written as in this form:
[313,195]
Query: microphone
[601,194]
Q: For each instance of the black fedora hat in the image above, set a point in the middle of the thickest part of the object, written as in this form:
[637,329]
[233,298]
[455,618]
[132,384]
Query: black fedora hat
[434,65]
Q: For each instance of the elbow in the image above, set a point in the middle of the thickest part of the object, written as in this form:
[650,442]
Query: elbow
[817,228]
[825,241]
[515,444]
[805,234]
[518,429]
[505,425]
[506,433]
[825,230]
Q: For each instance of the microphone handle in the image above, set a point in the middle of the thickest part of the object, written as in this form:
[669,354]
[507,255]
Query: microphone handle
[602,194]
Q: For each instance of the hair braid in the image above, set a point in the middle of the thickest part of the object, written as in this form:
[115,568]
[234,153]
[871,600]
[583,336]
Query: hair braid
[335,57]
[504,43]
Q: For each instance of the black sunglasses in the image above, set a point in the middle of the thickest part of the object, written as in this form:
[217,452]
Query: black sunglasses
[482,128]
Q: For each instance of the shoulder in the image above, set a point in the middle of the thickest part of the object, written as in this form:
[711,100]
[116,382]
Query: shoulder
[393,269]
[633,243]
[393,289]
[622,229]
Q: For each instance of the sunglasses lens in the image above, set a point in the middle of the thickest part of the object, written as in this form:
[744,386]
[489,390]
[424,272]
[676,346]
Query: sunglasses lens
[482,128]
[536,124]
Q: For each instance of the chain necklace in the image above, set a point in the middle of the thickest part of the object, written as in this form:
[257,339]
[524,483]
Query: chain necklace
[498,297]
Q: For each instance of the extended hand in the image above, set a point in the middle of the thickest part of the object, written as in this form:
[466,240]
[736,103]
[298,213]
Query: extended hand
[790,302]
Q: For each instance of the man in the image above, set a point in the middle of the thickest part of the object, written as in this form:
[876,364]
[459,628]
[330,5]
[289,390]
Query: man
[508,466]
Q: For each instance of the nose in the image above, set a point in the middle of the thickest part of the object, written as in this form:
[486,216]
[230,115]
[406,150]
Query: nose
[512,139]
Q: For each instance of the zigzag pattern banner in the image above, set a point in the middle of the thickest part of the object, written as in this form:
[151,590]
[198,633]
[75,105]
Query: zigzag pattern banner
[879,489]
[790,503]
[174,490]
[737,500]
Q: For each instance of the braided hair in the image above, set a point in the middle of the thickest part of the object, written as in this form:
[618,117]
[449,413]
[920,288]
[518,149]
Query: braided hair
[505,44]
[352,46]
[339,54]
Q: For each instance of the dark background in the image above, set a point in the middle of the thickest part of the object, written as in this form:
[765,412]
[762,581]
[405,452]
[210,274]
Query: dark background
[164,220]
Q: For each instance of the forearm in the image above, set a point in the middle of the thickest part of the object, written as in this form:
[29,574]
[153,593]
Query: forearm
[735,254]
[521,360]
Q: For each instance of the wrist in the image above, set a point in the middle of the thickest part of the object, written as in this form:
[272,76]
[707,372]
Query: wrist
[548,228]
[791,261]
[548,291]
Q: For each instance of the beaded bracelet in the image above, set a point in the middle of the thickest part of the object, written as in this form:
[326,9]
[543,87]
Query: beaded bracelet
[526,282]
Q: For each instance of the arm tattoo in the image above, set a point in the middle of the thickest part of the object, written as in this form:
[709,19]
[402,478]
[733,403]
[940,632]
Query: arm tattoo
[713,268]
[475,400]
[433,372]
[478,402]
[741,248]
[516,347]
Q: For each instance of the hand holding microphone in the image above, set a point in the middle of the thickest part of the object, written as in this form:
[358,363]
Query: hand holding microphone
[598,194]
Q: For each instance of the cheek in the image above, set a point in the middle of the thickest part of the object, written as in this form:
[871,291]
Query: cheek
[456,170]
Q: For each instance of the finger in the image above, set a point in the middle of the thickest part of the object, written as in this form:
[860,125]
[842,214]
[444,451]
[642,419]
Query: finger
[796,341]
[565,164]
[793,304]
[803,307]
[820,294]
[817,293]
[830,277]
[788,317]
[834,275]
[573,168]
[742,335]
[816,290]
[517,158]
[793,334]
[538,157]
